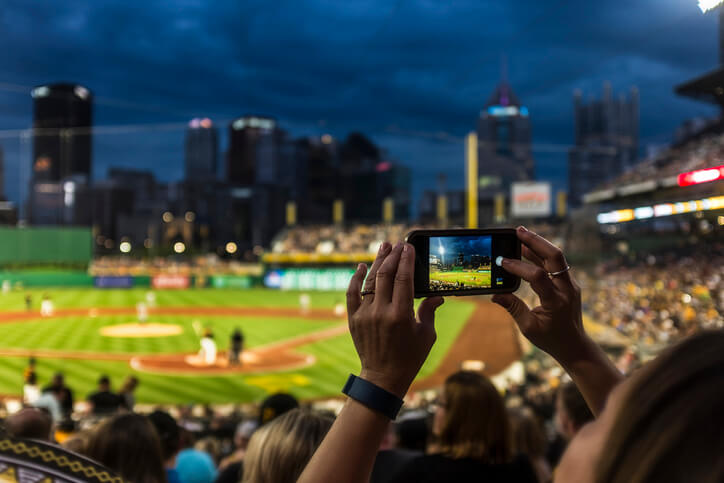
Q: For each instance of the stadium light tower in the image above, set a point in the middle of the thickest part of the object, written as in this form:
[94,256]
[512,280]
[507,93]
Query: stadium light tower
[706,5]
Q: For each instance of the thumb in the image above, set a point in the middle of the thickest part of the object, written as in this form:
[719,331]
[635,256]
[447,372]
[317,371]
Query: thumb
[426,310]
[515,307]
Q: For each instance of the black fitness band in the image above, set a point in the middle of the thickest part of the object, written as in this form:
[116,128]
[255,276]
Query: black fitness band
[372,396]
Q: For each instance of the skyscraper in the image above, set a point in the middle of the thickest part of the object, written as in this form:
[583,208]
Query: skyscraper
[253,156]
[201,150]
[606,140]
[504,151]
[62,117]
[504,140]
[61,162]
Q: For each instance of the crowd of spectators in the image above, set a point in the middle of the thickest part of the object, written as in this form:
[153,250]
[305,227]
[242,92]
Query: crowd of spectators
[274,440]
[195,265]
[328,239]
[658,300]
[699,153]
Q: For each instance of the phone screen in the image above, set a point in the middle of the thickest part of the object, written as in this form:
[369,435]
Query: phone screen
[460,263]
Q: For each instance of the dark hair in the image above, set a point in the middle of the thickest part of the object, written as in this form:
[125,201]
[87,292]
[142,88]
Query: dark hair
[104,380]
[275,405]
[168,432]
[31,423]
[668,426]
[412,434]
[576,408]
[476,424]
[528,436]
[129,444]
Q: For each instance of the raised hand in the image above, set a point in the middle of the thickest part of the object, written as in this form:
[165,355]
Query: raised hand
[391,341]
[556,326]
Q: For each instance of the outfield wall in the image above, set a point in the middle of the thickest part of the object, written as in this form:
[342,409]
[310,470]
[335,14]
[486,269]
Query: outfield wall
[40,245]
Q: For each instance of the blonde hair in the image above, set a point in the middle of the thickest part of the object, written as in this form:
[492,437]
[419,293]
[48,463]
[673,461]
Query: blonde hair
[279,450]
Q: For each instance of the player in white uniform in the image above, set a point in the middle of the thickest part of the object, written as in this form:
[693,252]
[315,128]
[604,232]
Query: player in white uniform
[46,307]
[305,301]
[142,312]
[207,354]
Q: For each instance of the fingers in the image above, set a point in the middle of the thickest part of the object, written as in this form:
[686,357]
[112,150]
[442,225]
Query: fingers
[403,293]
[381,255]
[515,307]
[536,276]
[354,297]
[551,256]
[426,310]
[384,280]
[530,255]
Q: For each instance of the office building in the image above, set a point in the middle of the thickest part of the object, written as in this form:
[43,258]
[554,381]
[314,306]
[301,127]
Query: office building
[61,157]
[200,150]
[62,118]
[253,156]
[504,142]
[606,141]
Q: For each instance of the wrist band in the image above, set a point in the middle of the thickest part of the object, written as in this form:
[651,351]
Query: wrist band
[372,396]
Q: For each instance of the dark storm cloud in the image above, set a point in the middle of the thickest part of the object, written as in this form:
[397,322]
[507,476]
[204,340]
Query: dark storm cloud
[394,69]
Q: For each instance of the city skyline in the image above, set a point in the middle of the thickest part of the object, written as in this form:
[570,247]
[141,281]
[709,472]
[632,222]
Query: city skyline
[399,73]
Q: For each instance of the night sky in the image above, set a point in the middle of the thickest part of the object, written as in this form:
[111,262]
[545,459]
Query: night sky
[412,74]
[467,245]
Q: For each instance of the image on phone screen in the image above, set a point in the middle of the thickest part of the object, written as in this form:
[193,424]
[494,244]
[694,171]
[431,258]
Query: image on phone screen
[460,262]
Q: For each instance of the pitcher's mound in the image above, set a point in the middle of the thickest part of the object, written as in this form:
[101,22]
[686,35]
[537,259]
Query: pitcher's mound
[141,330]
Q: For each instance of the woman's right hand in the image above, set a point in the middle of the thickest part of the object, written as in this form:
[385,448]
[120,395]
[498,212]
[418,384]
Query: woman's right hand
[556,326]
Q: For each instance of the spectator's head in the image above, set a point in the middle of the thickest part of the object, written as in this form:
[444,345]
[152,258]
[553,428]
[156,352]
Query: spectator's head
[58,379]
[104,383]
[528,437]
[279,451]
[471,420]
[662,424]
[130,384]
[275,405]
[30,423]
[244,432]
[412,434]
[168,433]
[572,412]
[129,444]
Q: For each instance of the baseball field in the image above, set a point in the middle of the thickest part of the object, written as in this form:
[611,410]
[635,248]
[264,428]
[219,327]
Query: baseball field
[471,279]
[93,332]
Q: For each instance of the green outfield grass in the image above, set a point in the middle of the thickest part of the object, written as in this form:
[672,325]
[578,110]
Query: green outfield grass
[336,357]
[470,279]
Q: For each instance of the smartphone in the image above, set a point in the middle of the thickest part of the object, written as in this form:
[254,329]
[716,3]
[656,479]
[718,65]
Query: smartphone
[462,262]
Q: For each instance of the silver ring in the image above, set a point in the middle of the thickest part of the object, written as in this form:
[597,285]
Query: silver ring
[368,292]
[559,272]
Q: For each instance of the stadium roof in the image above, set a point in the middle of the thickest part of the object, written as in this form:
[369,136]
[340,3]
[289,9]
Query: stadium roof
[708,87]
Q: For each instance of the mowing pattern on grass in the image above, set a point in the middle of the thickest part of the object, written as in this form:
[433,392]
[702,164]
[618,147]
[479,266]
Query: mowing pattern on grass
[335,357]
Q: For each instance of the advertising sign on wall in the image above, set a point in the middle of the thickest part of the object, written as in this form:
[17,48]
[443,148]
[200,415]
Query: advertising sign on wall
[113,282]
[530,200]
[332,279]
[170,281]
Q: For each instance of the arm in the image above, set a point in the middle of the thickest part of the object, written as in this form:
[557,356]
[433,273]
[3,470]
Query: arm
[556,326]
[392,343]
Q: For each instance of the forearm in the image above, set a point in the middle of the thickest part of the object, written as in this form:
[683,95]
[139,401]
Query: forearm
[593,373]
[348,451]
